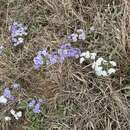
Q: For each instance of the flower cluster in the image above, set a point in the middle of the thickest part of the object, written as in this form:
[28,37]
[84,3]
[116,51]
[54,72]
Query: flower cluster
[100,66]
[16,115]
[79,35]
[65,51]
[35,104]
[103,67]
[6,96]
[87,55]
[18,31]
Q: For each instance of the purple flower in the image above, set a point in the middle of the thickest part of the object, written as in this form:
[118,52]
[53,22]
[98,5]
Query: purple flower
[43,52]
[65,46]
[74,52]
[68,51]
[32,103]
[53,58]
[7,94]
[14,39]
[36,105]
[36,109]
[17,29]
[38,61]
[65,51]
[37,67]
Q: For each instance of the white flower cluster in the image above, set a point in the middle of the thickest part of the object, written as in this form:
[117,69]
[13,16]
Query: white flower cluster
[16,115]
[103,67]
[3,99]
[100,66]
[79,35]
[87,55]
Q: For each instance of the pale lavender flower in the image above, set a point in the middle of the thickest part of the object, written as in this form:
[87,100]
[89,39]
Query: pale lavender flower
[43,52]
[32,103]
[53,58]
[64,46]
[38,61]
[81,35]
[14,40]
[67,51]
[73,52]
[36,105]
[7,94]
[36,109]
[73,37]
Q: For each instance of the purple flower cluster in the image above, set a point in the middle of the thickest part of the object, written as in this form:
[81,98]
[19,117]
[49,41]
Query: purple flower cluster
[79,35]
[65,51]
[6,96]
[35,105]
[18,31]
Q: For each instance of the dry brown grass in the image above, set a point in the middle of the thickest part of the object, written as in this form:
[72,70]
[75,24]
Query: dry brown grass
[102,103]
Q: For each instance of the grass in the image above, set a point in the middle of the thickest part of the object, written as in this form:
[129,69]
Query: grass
[77,98]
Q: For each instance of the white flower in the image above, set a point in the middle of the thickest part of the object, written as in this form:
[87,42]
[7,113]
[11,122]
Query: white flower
[98,73]
[105,62]
[98,68]
[16,115]
[83,54]
[20,40]
[12,112]
[87,55]
[82,60]
[16,86]
[93,56]
[99,61]
[3,100]
[19,114]
[7,118]
[80,30]
[113,63]
[104,73]
[82,35]
[93,65]
[74,37]
[111,70]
